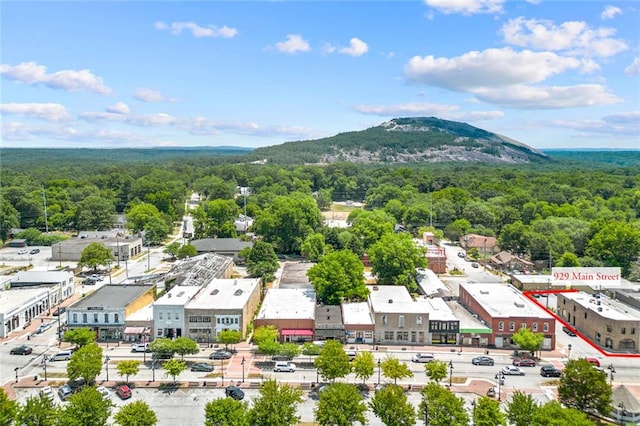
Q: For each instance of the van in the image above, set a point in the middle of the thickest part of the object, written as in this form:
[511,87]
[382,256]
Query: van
[61,356]
[285,366]
[594,361]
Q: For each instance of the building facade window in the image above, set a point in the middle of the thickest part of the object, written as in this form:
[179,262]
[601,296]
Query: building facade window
[418,320]
[534,326]
[512,326]
[609,328]
[75,318]
[116,318]
[106,318]
[160,316]
[501,326]
[388,335]
[545,327]
[384,319]
[95,317]
[401,321]
[84,318]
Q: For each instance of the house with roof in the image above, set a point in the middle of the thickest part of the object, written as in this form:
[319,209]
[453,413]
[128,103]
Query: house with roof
[609,323]
[359,325]
[509,263]
[505,310]
[625,405]
[328,325]
[105,311]
[291,311]
[486,246]
[224,304]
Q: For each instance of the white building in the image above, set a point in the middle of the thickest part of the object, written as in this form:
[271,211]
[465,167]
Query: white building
[169,311]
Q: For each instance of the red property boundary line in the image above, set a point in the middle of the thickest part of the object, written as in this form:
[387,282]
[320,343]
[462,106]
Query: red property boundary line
[530,294]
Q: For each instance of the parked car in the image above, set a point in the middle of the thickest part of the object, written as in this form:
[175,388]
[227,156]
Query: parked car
[524,362]
[202,366]
[23,251]
[43,327]
[96,277]
[220,355]
[124,392]
[284,366]
[594,361]
[482,360]
[89,281]
[474,265]
[140,347]
[234,392]
[60,310]
[61,356]
[64,392]
[352,355]
[569,331]
[76,384]
[35,251]
[423,358]
[550,371]
[21,350]
[47,392]
[104,392]
[461,254]
[511,370]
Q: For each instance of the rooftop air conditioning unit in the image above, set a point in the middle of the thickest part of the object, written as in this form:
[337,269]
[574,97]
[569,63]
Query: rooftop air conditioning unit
[390,300]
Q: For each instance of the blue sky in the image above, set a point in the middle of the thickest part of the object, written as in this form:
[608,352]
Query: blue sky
[551,74]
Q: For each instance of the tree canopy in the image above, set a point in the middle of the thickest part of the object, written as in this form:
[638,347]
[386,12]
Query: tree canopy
[333,361]
[395,258]
[339,277]
[584,388]
[340,404]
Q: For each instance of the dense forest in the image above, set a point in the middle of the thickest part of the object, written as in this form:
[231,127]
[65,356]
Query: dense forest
[576,209]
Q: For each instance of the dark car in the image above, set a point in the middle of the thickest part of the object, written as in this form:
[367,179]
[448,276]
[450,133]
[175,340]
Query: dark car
[21,350]
[234,392]
[550,371]
[482,360]
[569,331]
[202,366]
[35,251]
[124,392]
[220,355]
[161,356]
[76,384]
[524,362]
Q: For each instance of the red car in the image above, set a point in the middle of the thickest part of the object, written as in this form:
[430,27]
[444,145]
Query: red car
[124,392]
[524,362]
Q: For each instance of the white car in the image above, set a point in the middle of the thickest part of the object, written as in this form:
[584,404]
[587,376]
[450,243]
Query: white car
[104,392]
[285,366]
[423,358]
[23,251]
[140,347]
[512,370]
[48,392]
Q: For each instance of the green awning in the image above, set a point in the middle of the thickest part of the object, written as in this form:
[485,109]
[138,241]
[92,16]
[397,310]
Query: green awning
[476,330]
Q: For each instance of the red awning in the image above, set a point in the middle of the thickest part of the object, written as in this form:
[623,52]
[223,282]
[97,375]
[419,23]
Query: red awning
[301,332]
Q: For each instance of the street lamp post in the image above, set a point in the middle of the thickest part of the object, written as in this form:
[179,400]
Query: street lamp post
[623,412]
[109,270]
[378,371]
[153,370]
[44,365]
[106,365]
[500,378]
[473,412]
[612,370]
[16,370]
[222,370]
[242,363]
[450,373]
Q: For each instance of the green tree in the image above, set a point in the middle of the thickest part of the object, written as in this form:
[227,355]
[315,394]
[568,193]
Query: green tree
[137,413]
[139,215]
[94,212]
[79,336]
[86,408]
[395,258]
[229,337]
[521,409]
[262,261]
[436,370]
[128,367]
[86,362]
[616,244]
[174,367]
[528,340]
[310,349]
[162,345]
[391,406]
[393,368]
[276,405]
[37,410]
[290,350]
[370,226]
[8,409]
[184,346]
[156,230]
[265,333]
[584,388]
[554,414]
[226,411]
[172,249]
[333,361]
[363,365]
[95,254]
[442,407]
[487,413]
[9,218]
[340,404]
[339,277]
[187,250]
[314,247]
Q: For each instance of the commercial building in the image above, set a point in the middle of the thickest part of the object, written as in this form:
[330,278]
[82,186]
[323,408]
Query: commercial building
[290,311]
[359,326]
[123,248]
[329,325]
[169,311]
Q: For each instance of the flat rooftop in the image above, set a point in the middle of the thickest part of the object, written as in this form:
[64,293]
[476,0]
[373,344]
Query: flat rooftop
[504,300]
[288,303]
[393,299]
[199,270]
[612,309]
[112,296]
[357,314]
[225,294]
[179,295]
[16,297]
[142,314]
[42,277]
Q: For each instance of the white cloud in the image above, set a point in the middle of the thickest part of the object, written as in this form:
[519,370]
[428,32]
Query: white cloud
[44,111]
[610,12]
[356,47]
[451,112]
[573,37]
[13,131]
[634,68]
[141,120]
[466,7]
[294,43]
[198,31]
[551,97]
[118,108]
[32,73]
[150,95]
[487,69]
[621,125]
[207,126]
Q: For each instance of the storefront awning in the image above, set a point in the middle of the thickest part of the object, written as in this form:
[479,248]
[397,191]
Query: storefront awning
[296,332]
[134,330]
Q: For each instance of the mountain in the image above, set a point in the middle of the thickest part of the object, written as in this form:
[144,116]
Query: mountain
[405,140]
